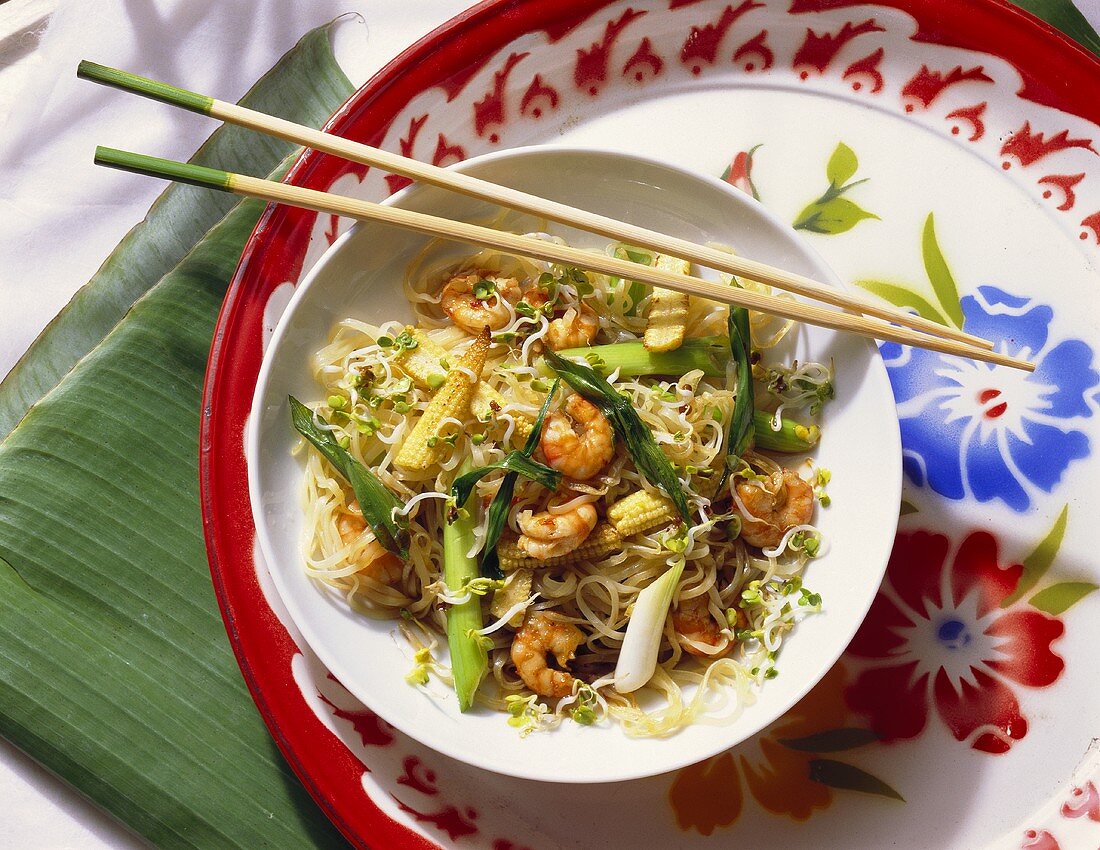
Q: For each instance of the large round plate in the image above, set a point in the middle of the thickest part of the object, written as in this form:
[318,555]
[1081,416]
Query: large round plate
[964,711]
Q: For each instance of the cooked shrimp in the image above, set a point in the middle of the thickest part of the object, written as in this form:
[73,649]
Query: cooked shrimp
[692,620]
[537,297]
[783,502]
[579,444]
[575,329]
[378,563]
[548,535]
[538,637]
[473,311]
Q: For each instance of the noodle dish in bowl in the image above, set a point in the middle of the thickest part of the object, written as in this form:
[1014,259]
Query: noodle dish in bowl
[563,525]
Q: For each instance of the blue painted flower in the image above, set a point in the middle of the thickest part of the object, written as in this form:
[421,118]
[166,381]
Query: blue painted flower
[972,429]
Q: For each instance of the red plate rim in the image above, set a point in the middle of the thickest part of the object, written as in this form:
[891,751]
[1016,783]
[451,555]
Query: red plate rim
[1063,72]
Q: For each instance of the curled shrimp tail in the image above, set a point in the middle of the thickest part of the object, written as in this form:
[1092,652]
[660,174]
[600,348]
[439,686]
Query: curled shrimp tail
[578,443]
[537,638]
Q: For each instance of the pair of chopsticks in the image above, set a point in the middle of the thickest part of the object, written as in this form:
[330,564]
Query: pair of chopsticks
[879,322]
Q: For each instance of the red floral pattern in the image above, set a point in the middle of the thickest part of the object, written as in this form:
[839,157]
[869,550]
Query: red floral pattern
[937,635]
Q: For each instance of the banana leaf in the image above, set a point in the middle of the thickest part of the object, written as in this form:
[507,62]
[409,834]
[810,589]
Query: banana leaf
[305,86]
[1064,15]
[115,669]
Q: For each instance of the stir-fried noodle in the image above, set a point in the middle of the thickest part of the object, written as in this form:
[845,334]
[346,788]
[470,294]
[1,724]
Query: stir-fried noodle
[742,554]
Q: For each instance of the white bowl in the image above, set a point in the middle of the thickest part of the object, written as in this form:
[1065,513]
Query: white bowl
[359,276]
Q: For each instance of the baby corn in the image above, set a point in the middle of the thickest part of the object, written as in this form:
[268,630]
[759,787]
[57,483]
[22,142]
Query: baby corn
[424,365]
[603,539]
[640,512]
[515,591]
[426,441]
[666,321]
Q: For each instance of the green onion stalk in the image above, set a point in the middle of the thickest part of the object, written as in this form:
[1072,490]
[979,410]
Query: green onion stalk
[516,462]
[647,455]
[469,659]
[739,437]
[497,516]
[708,354]
[378,504]
[642,642]
[635,290]
[791,438]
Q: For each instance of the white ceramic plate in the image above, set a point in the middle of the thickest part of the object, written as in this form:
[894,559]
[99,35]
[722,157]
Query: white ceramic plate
[359,277]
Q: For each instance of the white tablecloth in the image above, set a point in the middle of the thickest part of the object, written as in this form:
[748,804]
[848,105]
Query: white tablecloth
[61,215]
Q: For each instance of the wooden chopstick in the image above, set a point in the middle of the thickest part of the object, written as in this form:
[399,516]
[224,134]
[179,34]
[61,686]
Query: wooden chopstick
[515,199]
[281,193]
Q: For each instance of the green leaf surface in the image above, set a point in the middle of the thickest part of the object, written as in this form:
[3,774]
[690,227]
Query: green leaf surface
[115,669]
[904,298]
[836,215]
[838,774]
[1064,15]
[842,165]
[305,86]
[1039,561]
[1059,598]
[939,275]
[831,740]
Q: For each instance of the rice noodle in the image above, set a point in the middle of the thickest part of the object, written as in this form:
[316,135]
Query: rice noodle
[686,418]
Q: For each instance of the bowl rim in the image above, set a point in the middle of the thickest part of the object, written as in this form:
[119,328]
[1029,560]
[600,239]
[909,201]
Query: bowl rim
[330,660]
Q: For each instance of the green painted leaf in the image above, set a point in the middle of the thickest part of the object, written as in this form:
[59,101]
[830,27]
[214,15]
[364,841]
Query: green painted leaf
[837,774]
[902,297]
[831,740]
[1059,598]
[939,275]
[907,508]
[1064,15]
[842,165]
[837,215]
[301,87]
[115,667]
[1038,562]
[748,171]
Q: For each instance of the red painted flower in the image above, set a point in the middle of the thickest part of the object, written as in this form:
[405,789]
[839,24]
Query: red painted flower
[739,172]
[937,635]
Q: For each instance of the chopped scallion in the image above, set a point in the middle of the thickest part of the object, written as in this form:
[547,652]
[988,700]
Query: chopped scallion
[375,500]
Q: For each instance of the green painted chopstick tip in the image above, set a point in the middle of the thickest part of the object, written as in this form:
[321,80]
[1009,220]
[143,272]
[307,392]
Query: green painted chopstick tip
[144,86]
[167,169]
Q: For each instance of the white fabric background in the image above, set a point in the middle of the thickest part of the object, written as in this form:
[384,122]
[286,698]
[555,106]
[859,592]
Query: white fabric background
[61,215]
